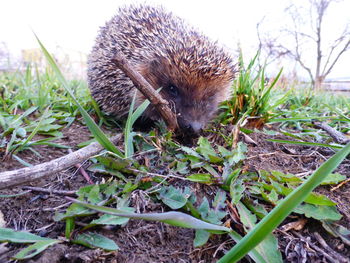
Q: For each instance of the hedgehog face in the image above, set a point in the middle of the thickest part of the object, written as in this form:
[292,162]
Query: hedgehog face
[192,113]
[193,95]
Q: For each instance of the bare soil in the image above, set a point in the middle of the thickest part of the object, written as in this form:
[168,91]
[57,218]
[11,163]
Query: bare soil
[141,241]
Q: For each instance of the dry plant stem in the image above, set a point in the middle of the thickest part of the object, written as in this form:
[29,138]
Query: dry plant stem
[337,136]
[340,185]
[333,253]
[49,191]
[82,171]
[235,136]
[28,174]
[313,246]
[148,91]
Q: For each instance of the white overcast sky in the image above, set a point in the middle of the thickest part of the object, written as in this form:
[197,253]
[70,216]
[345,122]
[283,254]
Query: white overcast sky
[73,24]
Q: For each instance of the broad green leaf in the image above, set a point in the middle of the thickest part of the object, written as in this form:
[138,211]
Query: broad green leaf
[214,159]
[255,207]
[238,153]
[171,218]
[94,195]
[268,248]
[21,132]
[283,178]
[201,238]
[70,224]
[201,178]
[173,197]
[207,150]
[272,197]
[319,212]
[35,249]
[113,163]
[312,198]
[217,212]
[181,167]
[195,161]
[72,211]
[211,170]
[333,178]
[236,190]
[110,220]
[10,235]
[93,240]
[191,152]
[254,254]
[224,152]
[219,204]
[247,218]
[100,168]
[129,187]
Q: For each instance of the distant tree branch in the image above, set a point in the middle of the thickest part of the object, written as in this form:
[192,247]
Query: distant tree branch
[325,58]
[345,48]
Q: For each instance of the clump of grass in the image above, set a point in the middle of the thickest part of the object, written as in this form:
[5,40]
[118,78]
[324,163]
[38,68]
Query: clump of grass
[33,103]
[252,96]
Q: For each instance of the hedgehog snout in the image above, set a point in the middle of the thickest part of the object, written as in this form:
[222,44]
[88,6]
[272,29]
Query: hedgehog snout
[193,118]
[191,128]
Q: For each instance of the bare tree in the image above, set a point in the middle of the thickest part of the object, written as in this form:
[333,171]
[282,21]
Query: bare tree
[305,35]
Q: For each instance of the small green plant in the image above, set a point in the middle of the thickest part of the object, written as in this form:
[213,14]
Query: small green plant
[34,109]
[252,96]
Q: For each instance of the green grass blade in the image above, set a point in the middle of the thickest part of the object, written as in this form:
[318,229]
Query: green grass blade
[132,117]
[17,120]
[305,119]
[13,236]
[268,91]
[36,129]
[306,143]
[94,129]
[284,208]
[171,218]
[254,254]
[129,147]
[35,249]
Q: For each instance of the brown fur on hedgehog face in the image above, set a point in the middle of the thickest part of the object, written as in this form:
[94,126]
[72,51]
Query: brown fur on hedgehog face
[193,90]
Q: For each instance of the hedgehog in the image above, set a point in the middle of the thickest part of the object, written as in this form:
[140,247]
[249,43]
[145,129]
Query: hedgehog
[194,73]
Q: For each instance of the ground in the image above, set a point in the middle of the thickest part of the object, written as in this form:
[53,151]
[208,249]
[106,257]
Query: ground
[141,241]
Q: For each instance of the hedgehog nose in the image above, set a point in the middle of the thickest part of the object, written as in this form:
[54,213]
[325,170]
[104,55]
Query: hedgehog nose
[192,128]
[196,126]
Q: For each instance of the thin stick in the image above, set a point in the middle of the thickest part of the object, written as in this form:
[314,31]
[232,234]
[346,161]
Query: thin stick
[49,191]
[148,91]
[80,169]
[337,136]
[28,174]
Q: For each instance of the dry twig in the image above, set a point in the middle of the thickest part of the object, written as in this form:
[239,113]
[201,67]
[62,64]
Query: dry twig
[148,91]
[49,191]
[28,174]
[337,136]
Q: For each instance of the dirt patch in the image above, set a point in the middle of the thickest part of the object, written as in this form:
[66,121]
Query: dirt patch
[141,241]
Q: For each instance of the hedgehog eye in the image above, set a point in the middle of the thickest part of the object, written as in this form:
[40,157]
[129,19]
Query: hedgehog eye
[173,90]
